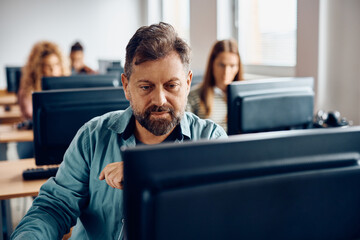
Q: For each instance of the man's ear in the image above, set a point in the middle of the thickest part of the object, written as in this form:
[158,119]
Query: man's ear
[188,80]
[125,83]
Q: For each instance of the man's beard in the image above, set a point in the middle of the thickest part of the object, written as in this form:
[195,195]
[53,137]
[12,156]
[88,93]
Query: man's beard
[158,127]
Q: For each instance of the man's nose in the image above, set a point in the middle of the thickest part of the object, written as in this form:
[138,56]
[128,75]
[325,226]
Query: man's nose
[159,98]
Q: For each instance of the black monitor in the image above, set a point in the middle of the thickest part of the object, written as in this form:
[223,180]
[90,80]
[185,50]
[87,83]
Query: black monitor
[81,81]
[300,184]
[13,76]
[58,115]
[270,104]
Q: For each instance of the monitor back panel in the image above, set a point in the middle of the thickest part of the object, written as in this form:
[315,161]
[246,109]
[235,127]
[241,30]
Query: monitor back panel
[13,76]
[59,114]
[81,81]
[282,185]
[270,105]
[104,64]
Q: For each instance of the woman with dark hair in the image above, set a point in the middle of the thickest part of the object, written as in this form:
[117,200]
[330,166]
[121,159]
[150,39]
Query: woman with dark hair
[77,60]
[208,99]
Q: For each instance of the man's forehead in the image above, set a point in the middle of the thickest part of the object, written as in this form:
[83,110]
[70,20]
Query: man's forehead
[140,59]
[169,66]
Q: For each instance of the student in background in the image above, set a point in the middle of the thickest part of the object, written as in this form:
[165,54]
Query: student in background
[45,60]
[77,60]
[208,99]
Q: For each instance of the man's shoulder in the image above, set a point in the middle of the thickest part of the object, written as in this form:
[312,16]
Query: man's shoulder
[108,121]
[198,128]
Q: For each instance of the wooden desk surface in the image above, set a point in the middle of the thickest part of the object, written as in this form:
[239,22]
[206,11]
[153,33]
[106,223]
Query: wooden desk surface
[12,116]
[7,98]
[9,133]
[12,184]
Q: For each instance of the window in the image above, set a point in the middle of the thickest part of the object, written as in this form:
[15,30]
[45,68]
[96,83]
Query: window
[267,32]
[177,13]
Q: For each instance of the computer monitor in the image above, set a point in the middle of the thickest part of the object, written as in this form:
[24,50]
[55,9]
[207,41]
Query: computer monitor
[106,63]
[13,76]
[81,81]
[270,104]
[300,184]
[118,70]
[58,115]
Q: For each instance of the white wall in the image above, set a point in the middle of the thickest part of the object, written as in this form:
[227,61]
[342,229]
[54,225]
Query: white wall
[104,27]
[308,41]
[203,31]
[339,57]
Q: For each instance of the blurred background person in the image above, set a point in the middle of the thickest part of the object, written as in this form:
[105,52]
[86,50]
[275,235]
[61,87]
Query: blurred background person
[77,60]
[208,100]
[45,60]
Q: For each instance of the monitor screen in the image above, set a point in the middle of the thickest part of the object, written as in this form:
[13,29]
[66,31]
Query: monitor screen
[270,105]
[81,81]
[300,184]
[13,76]
[58,115]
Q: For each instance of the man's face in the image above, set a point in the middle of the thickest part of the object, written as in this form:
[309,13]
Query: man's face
[157,91]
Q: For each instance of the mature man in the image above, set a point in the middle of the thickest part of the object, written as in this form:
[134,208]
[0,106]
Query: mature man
[156,82]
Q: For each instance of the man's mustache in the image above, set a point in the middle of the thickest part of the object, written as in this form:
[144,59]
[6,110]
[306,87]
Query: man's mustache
[155,108]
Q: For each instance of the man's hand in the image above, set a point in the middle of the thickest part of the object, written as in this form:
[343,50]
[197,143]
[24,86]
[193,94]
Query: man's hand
[113,174]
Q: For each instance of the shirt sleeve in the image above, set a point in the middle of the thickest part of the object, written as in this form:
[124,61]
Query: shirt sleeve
[62,198]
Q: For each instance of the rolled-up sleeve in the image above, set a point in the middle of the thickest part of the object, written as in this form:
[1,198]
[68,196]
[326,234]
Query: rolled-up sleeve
[61,198]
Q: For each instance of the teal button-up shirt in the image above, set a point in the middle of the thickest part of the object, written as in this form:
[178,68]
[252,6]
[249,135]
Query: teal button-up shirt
[77,194]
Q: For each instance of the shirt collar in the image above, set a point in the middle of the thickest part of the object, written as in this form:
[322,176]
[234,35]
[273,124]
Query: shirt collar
[219,92]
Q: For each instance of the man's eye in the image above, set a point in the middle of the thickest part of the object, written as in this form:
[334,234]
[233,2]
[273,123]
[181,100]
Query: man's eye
[145,88]
[172,85]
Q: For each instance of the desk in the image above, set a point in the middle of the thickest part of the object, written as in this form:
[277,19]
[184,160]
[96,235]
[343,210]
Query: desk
[9,133]
[7,98]
[12,185]
[11,116]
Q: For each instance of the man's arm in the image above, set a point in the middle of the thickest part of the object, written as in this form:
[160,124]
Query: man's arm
[62,198]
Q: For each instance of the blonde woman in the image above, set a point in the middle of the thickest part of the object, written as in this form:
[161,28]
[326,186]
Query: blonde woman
[45,60]
[209,99]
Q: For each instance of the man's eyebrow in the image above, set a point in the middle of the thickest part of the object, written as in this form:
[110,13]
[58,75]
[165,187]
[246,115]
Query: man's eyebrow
[143,81]
[174,79]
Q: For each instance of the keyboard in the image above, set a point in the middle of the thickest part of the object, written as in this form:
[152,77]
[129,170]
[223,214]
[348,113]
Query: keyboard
[39,173]
[25,125]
